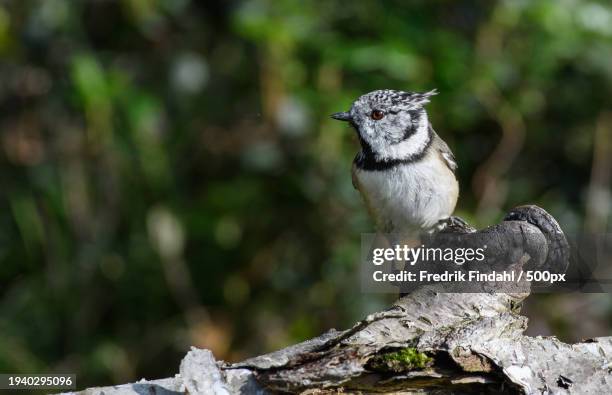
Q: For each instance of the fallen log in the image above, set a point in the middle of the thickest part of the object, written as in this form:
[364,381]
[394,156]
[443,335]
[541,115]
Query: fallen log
[427,342]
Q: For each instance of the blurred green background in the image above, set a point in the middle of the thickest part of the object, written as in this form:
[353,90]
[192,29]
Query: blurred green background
[170,176]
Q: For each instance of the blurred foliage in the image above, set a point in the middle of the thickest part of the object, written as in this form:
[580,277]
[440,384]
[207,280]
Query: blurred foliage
[170,176]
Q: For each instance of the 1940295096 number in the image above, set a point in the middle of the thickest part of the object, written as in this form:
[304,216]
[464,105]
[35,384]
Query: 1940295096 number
[25,381]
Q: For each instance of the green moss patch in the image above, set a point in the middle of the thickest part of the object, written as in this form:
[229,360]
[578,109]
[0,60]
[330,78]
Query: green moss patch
[402,360]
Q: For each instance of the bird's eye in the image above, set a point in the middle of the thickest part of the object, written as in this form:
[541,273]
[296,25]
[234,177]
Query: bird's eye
[377,115]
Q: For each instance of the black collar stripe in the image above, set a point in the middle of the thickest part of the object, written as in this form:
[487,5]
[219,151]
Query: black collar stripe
[366,160]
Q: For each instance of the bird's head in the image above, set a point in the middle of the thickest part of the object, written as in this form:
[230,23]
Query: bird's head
[392,125]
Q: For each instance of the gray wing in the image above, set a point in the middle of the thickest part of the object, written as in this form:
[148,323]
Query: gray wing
[445,153]
[442,149]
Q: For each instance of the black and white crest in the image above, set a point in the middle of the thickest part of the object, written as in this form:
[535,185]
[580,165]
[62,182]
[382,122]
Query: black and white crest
[396,100]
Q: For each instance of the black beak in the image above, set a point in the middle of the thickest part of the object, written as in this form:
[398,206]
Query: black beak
[342,116]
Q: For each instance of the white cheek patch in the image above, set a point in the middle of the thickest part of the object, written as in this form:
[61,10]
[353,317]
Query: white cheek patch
[397,128]
[412,146]
[375,137]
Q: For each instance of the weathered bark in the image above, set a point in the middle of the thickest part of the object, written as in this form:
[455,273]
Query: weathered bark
[427,342]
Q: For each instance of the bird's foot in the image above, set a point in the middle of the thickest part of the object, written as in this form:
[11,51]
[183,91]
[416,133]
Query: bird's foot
[453,224]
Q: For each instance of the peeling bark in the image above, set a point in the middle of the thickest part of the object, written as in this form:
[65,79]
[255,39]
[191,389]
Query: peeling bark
[427,342]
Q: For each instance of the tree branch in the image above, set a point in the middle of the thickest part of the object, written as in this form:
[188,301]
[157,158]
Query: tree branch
[427,342]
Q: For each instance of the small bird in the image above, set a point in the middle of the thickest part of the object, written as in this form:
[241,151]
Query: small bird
[404,171]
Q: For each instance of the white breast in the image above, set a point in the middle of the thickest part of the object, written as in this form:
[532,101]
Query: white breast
[409,197]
